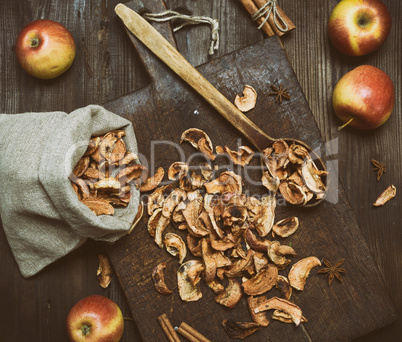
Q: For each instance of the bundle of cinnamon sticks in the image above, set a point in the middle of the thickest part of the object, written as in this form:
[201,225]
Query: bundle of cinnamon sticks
[184,329]
[278,23]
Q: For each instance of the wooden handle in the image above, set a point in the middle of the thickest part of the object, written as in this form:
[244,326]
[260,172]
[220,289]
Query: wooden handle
[151,38]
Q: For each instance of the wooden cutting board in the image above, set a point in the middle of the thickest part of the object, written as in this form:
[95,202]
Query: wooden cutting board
[160,112]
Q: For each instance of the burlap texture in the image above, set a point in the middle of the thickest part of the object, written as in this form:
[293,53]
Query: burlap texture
[40,212]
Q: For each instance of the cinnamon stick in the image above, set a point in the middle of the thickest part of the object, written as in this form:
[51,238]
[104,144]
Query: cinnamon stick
[187,335]
[289,23]
[201,338]
[168,328]
[252,9]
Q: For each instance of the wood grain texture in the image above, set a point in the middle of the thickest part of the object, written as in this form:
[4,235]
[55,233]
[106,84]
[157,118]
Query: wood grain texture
[107,67]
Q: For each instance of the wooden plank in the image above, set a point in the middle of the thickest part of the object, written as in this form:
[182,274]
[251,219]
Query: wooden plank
[354,308]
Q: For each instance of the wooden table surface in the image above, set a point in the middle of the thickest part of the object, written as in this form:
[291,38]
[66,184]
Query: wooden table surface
[107,67]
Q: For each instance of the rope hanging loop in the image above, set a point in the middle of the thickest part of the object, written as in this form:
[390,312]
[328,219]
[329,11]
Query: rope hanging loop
[188,20]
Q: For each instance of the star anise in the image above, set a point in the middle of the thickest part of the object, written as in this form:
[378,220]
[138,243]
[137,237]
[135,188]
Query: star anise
[332,271]
[280,93]
[379,168]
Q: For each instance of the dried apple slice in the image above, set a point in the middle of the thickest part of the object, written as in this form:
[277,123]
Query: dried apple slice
[108,183]
[260,261]
[262,282]
[175,246]
[283,285]
[385,196]
[271,183]
[191,214]
[94,174]
[293,193]
[200,140]
[153,221]
[209,208]
[129,158]
[264,224]
[231,295]
[241,157]
[92,145]
[160,228]
[157,198]
[286,227]
[276,252]
[81,166]
[132,173]
[158,278]
[228,181]
[153,182]
[239,330]
[108,143]
[83,187]
[298,154]
[104,271]
[98,206]
[282,316]
[118,152]
[176,170]
[206,149]
[312,177]
[206,171]
[191,181]
[256,243]
[300,271]
[239,266]
[281,152]
[276,303]
[248,99]
[194,245]
[208,259]
[194,273]
[187,291]
[222,244]
[234,211]
[177,215]
[260,317]
[137,217]
[76,190]
[216,286]
[170,203]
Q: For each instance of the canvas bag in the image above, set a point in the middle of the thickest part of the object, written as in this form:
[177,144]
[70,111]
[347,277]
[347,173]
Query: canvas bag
[40,212]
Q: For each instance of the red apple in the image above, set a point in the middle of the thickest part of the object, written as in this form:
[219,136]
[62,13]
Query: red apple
[45,49]
[95,319]
[364,97]
[359,27]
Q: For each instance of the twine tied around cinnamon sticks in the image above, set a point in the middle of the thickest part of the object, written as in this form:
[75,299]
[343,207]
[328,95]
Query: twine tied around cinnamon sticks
[269,16]
[188,20]
[265,11]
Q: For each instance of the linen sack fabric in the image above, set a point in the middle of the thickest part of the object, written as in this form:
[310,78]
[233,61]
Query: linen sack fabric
[41,214]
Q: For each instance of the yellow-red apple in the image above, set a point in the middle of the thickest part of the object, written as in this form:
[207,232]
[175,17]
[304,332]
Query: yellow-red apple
[45,49]
[364,97]
[95,319]
[359,27]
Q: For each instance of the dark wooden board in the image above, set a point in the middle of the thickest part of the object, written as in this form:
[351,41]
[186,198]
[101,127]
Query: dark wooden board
[160,113]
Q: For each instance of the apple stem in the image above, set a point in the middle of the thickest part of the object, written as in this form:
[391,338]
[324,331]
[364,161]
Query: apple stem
[345,124]
[128,319]
[34,42]
[85,329]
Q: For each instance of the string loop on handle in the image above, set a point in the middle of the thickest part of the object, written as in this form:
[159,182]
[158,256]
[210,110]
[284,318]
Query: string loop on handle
[188,20]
